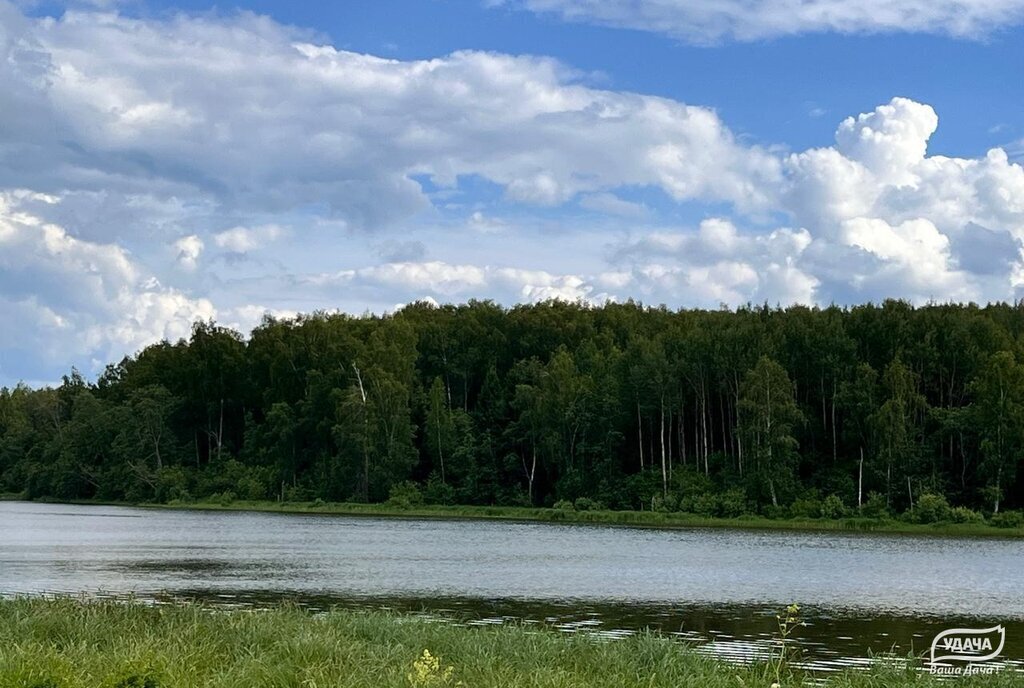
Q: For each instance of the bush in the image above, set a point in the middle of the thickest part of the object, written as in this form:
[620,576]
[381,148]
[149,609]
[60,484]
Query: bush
[931,508]
[1008,519]
[805,508]
[665,504]
[962,514]
[251,487]
[874,506]
[833,507]
[223,498]
[704,504]
[438,492]
[732,503]
[588,504]
[294,493]
[775,512]
[563,505]
[172,484]
[405,495]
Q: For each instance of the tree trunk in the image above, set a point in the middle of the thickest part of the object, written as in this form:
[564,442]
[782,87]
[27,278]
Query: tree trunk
[440,449]
[664,470]
[999,478]
[860,480]
[640,433]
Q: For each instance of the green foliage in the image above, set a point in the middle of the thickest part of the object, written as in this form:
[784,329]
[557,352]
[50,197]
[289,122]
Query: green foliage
[931,508]
[713,413]
[436,491]
[874,506]
[833,507]
[588,504]
[961,514]
[807,506]
[405,495]
[1008,519]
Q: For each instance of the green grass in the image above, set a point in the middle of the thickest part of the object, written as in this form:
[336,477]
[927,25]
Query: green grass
[649,519]
[64,643]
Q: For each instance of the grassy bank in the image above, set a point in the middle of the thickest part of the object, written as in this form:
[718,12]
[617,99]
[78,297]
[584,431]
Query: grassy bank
[71,644]
[650,519]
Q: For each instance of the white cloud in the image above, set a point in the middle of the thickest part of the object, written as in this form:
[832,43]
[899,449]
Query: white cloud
[170,130]
[247,239]
[188,250]
[445,281]
[251,113]
[747,20]
[70,296]
[717,264]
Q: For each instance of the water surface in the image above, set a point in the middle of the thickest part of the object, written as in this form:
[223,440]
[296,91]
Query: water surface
[862,593]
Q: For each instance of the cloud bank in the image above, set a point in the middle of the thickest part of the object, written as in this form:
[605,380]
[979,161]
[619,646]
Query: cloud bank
[191,167]
[748,20]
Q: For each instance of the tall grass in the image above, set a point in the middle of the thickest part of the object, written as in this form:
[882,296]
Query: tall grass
[66,643]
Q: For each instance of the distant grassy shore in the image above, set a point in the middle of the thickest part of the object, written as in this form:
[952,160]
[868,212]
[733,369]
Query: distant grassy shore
[648,519]
[66,643]
[643,519]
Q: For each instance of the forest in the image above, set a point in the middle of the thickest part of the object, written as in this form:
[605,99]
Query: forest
[873,409]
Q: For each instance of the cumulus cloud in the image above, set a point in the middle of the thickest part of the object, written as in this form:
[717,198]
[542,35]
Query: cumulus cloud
[445,281]
[70,296]
[908,217]
[243,240]
[169,131]
[255,115]
[747,20]
[717,264]
[188,249]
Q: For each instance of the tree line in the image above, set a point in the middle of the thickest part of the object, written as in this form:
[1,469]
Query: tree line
[622,406]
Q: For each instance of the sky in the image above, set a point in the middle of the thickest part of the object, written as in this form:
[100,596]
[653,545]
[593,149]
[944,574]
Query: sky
[163,162]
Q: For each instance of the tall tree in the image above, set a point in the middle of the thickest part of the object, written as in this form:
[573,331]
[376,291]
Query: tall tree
[770,416]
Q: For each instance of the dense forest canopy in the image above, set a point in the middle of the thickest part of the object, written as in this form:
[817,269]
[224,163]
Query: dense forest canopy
[718,412]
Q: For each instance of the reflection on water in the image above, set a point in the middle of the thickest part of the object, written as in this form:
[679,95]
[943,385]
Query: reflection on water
[863,595]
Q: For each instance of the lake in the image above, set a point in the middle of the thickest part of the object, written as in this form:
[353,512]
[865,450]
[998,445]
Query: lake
[861,594]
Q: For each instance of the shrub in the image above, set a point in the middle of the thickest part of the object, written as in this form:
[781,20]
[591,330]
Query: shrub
[404,495]
[223,498]
[438,492]
[705,504]
[962,514]
[805,508]
[931,508]
[588,504]
[775,512]
[732,503]
[874,506]
[251,487]
[1008,519]
[294,493]
[833,507]
[172,484]
[664,504]
[563,505]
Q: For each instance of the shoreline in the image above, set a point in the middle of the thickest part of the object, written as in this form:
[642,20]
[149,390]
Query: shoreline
[634,519]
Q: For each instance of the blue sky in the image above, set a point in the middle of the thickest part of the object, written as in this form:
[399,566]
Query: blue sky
[162,162]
